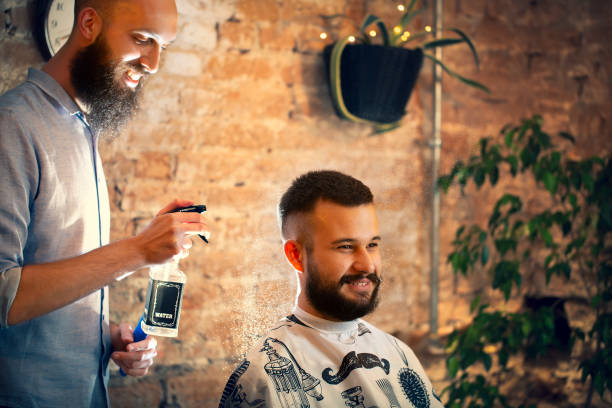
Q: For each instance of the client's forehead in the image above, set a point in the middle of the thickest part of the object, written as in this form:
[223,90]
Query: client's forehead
[337,221]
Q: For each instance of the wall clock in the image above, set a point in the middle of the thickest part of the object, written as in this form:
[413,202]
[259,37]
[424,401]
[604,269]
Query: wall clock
[53,24]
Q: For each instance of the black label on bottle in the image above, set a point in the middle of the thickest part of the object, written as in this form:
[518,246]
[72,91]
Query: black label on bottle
[163,303]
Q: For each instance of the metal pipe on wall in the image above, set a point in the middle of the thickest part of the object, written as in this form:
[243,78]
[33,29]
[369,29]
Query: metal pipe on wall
[436,144]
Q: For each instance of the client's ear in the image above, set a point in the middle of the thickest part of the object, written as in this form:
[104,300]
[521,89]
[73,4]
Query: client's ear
[293,253]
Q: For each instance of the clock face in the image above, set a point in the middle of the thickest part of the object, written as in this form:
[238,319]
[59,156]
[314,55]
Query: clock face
[58,24]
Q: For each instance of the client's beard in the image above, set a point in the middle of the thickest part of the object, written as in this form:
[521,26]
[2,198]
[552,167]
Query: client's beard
[96,79]
[326,297]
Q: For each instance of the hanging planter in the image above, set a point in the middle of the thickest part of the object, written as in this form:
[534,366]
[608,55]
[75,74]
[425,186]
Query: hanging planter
[372,83]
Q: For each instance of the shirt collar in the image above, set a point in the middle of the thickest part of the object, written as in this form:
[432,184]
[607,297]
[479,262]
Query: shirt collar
[323,324]
[52,88]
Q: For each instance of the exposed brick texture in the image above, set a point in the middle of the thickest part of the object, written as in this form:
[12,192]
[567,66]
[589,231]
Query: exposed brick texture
[240,107]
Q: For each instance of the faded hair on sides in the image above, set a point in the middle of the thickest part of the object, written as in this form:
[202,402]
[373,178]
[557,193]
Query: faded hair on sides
[330,185]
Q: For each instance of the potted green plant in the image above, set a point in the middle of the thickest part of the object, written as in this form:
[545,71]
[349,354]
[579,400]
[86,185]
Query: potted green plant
[568,240]
[371,82]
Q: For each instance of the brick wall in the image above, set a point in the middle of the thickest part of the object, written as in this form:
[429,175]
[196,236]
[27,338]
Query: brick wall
[240,107]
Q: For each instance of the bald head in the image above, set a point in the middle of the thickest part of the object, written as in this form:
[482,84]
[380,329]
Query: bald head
[106,8]
[101,6]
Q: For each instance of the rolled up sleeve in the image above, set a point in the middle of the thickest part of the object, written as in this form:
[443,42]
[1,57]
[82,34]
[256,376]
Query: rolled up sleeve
[9,283]
[18,180]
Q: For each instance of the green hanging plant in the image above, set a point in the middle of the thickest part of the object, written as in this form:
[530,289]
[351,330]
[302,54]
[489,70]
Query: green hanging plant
[398,41]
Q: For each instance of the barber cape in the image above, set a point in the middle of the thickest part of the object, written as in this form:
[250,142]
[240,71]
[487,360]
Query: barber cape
[311,362]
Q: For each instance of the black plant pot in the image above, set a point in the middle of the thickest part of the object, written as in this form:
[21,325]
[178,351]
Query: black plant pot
[376,81]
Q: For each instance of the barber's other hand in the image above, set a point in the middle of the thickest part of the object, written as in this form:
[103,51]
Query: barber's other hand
[169,234]
[133,358]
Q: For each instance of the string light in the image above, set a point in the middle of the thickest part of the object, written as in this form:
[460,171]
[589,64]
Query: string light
[323,36]
[397,29]
[405,35]
[351,38]
[428,29]
[372,33]
[401,7]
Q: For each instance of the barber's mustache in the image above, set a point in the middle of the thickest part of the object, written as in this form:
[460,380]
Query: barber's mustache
[136,67]
[354,278]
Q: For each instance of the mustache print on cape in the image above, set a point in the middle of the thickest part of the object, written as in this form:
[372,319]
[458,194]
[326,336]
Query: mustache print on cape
[353,361]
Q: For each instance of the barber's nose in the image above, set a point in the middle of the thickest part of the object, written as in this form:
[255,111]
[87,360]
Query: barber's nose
[150,59]
[364,261]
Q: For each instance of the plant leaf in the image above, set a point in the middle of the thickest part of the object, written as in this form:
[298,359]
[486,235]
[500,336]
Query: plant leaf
[408,16]
[371,19]
[466,81]
[550,182]
[513,162]
[469,43]
[493,175]
[385,127]
[453,366]
[508,138]
[474,303]
[485,255]
[367,21]
[567,136]
[410,6]
[441,42]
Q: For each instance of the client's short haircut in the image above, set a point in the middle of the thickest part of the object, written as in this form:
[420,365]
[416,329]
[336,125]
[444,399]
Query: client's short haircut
[330,185]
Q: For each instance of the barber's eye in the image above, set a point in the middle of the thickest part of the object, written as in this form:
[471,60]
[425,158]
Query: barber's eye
[373,245]
[142,40]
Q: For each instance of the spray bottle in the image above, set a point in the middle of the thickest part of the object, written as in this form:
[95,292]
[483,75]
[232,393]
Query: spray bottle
[163,301]
[164,296]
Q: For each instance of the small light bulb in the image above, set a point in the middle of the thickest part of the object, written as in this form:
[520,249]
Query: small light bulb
[351,39]
[397,29]
[401,7]
[323,36]
[372,33]
[427,28]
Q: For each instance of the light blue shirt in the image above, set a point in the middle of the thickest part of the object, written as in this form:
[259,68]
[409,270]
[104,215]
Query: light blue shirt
[53,205]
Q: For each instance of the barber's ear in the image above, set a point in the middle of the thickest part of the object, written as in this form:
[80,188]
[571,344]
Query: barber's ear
[293,253]
[89,25]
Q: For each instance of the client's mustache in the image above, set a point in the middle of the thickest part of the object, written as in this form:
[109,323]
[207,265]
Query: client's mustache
[354,278]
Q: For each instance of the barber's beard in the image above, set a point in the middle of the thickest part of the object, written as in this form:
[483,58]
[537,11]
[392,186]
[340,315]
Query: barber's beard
[327,299]
[98,83]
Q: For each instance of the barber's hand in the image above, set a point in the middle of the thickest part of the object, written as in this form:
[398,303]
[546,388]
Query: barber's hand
[169,234]
[133,358]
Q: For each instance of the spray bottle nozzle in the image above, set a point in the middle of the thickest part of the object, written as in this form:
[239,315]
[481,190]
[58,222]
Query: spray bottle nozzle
[193,208]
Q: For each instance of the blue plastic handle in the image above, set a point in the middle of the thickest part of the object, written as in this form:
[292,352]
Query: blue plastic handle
[139,335]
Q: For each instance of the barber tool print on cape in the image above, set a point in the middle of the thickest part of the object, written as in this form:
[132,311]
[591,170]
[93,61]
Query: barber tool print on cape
[354,398]
[292,389]
[362,329]
[233,395]
[412,384]
[353,361]
[387,389]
